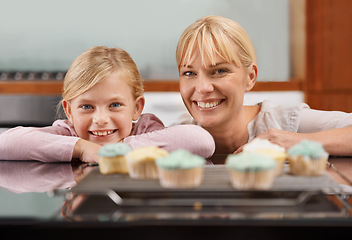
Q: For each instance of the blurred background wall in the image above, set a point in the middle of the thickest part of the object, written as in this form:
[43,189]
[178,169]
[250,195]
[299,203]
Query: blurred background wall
[46,35]
[303,49]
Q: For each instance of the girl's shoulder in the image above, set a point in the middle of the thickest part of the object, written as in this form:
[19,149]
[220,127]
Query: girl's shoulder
[64,127]
[147,122]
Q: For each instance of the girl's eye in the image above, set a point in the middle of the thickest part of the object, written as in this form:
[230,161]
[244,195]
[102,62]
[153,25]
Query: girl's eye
[115,105]
[87,107]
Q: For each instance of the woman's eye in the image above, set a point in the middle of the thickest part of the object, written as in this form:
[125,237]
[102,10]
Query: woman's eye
[220,71]
[115,105]
[188,74]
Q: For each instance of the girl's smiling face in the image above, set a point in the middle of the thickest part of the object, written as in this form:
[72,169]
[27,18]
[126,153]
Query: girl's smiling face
[105,112]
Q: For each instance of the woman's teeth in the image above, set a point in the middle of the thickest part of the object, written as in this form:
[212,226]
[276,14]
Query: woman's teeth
[208,105]
[102,133]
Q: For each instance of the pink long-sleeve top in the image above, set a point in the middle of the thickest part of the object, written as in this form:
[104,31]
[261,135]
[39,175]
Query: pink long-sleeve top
[56,143]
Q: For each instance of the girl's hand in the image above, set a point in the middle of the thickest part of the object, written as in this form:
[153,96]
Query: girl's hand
[86,151]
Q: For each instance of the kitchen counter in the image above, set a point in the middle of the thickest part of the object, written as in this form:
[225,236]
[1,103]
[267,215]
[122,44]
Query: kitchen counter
[37,198]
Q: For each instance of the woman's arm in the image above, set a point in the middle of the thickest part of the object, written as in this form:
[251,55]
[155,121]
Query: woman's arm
[189,137]
[335,141]
[332,128]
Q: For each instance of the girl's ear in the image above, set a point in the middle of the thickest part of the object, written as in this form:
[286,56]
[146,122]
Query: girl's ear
[140,101]
[252,77]
[67,108]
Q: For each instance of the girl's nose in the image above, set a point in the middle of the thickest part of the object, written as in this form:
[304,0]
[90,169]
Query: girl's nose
[101,117]
[204,84]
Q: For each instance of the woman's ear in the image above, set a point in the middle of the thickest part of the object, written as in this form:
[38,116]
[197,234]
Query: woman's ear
[67,108]
[140,101]
[252,77]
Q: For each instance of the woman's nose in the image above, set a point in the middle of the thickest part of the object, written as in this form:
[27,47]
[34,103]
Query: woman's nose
[204,84]
[101,117]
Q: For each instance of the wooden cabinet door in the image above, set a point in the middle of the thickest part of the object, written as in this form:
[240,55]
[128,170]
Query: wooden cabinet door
[328,83]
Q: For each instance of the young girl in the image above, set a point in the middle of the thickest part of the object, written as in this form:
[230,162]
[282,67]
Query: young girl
[102,97]
[217,65]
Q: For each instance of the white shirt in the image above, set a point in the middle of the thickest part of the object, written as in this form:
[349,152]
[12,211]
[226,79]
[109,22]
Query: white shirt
[295,118]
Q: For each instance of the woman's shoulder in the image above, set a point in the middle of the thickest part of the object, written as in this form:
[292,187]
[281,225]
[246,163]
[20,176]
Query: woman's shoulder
[268,106]
[274,115]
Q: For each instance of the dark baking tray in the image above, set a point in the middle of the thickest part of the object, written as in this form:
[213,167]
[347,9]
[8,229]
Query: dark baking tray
[117,196]
[216,180]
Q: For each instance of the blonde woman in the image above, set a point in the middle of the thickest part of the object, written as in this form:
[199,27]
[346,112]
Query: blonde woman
[217,65]
[102,99]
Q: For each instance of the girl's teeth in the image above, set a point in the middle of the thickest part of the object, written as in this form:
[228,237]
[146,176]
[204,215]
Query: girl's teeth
[104,133]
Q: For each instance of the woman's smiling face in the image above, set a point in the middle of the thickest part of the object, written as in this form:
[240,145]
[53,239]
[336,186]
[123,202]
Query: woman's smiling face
[213,93]
[104,113]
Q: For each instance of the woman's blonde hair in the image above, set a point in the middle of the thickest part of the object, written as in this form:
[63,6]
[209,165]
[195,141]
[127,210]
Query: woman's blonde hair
[214,36]
[95,64]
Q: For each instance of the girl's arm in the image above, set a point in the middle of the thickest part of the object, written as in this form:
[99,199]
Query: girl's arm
[47,144]
[86,151]
[189,137]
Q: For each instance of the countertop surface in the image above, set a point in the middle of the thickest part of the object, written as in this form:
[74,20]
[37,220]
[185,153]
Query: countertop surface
[37,195]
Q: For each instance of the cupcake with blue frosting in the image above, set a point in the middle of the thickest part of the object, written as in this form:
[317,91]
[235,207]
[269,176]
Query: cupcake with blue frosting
[112,159]
[251,170]
[307,158]
[181,169]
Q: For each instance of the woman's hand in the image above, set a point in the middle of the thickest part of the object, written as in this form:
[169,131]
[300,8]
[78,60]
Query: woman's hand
[86,151]
[282,138]
[335,141]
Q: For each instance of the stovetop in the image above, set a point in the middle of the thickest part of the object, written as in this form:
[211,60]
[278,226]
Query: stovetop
[31,75]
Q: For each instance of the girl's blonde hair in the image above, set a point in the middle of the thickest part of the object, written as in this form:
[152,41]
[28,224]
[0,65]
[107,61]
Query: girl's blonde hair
[95,64]
[214,36]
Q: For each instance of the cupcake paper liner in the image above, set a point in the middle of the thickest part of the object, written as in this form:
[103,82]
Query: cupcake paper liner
[142,169]
[109,165]
[260,180]
[305,166]
[181,178]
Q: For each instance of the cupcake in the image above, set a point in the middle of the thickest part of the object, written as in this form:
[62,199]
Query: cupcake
[264,146]
[180,169]
[112,159]
[251,170]
[307,158]
[141,162]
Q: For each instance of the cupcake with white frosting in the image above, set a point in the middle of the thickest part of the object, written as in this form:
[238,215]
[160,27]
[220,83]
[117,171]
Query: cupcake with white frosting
[180,169]
[251,170]
[264,146]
